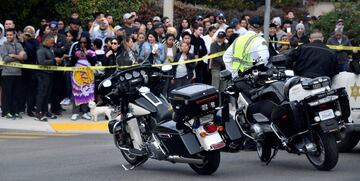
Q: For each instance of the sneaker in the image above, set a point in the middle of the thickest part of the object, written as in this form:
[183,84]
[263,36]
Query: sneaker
[57,113]
[17,115]
[86,116]
[66,101]
[74,117]
[43,119]
[50,116]
[9,116]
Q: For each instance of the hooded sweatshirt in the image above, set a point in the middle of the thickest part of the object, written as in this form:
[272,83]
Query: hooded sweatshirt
[2,35]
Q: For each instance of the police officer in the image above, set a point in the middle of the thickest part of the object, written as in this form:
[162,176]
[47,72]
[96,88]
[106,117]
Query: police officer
[315,59]
[247,49]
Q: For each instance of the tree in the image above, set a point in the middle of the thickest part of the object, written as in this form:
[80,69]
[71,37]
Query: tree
[348,11]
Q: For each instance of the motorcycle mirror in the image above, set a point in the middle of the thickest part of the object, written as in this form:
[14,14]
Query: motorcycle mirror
[166,68]
[107,83]
[289,73]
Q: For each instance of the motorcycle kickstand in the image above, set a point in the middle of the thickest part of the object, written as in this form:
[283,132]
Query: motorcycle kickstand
[272,156]
[134,166]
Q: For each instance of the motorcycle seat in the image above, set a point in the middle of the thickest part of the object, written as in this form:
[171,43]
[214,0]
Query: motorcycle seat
[290,83]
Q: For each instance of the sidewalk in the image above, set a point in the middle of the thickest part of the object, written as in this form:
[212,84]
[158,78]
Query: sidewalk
[62,124]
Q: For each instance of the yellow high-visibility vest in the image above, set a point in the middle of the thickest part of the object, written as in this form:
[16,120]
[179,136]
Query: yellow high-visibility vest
[241,56]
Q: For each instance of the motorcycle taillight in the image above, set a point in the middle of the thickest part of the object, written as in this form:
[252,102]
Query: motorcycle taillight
[210,128]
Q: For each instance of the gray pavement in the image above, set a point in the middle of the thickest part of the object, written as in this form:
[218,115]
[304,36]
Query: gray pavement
[94,157]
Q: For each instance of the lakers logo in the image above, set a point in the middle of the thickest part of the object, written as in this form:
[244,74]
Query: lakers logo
[84,77]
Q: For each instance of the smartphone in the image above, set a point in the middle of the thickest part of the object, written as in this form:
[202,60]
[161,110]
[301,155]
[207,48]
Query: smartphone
[288,30]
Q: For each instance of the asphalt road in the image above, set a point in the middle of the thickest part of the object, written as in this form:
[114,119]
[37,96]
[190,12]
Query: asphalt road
[44,156]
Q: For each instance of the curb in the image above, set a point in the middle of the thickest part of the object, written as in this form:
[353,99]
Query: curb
[80,127]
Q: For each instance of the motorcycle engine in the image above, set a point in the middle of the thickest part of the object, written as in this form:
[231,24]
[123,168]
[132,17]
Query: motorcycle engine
[155,148]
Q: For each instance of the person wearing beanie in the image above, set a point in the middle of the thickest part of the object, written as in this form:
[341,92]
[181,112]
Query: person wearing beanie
[300,35]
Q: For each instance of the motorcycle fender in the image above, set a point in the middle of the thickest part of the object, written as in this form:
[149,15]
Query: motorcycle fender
[232,129]
[212,141]
[329,125]
[133,129]
[176,140]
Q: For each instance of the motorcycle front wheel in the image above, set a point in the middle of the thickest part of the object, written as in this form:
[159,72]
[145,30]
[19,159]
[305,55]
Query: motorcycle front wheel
[211,163]
[264,152]
[326,156]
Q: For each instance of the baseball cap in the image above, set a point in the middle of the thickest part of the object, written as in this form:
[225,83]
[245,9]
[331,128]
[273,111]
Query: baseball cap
[199,17]
[221,34]
[53,25]
[30,31]
[234,22]
[127,16]
[256,21]
[117,28]
[157,25]
[156,18]
[339,20]
[221,14]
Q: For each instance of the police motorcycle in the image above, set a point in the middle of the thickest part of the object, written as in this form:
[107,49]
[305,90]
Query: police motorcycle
[351,82]
[299,115]
[148,127]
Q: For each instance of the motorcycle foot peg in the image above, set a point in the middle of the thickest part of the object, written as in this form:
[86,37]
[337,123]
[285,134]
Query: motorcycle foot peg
[137,152]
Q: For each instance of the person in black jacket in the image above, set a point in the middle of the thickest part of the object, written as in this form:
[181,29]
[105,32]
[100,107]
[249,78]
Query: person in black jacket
[111,55]
[45,56]
[201,70]
[182,73]
[315,58]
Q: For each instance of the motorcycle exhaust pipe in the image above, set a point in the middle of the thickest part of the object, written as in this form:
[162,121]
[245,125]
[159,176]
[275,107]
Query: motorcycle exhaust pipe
[179,159]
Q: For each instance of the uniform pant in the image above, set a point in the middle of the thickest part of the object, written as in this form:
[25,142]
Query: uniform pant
[11,91]
[45,84]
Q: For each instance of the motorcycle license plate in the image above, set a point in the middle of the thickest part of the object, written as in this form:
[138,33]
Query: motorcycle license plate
[327,114]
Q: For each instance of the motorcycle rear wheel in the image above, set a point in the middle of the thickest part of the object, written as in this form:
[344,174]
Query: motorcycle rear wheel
[264,152]
[327,154]
[132,159]
[211,163]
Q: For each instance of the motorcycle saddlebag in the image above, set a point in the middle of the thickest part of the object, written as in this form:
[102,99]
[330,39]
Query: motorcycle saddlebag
[344,103]
[289,118]
[193,100]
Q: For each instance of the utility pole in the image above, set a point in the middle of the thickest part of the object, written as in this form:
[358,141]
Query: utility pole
[168,9]
[267,19]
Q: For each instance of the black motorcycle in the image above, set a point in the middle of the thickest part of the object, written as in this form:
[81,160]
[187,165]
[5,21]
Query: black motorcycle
[150,127]
[299,115]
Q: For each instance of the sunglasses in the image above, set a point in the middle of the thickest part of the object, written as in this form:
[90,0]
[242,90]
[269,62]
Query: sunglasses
[114,43]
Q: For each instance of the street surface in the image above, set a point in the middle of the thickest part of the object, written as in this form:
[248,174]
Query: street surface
[27,155]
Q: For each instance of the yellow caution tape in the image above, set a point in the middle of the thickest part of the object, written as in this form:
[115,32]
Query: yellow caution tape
[336,47]
[70,69]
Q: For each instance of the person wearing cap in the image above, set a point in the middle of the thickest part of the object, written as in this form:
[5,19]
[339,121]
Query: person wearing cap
[119,32]
[128,20]
[156,19]
[58,77]
[248,49]
[75,29]
[159,29]
[199,19]
[217,64]
[272,37]
[221,22]
[300,35]
[314,59]
[30,45]
[342,56]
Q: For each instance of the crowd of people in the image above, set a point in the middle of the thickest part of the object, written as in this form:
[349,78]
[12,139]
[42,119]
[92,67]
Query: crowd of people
[102,42]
